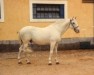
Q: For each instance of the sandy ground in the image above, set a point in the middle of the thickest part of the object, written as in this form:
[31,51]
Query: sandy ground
[72,62]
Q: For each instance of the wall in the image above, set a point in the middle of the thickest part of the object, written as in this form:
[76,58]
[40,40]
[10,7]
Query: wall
[17,16]
[85,16]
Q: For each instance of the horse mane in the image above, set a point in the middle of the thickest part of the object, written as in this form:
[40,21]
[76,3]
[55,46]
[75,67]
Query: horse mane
[60,21]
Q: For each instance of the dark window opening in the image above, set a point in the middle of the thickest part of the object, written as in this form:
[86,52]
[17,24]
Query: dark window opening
[48,11]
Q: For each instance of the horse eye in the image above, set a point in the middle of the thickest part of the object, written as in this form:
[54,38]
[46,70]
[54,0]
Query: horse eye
[73,23]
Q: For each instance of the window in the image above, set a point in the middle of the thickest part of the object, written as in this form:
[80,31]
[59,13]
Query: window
[48,10]
[88,1]
[1,11]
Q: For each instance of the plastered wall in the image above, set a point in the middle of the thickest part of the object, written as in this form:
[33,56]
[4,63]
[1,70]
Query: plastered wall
[16,16]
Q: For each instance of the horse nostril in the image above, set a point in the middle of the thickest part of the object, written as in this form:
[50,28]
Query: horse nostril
[77,30]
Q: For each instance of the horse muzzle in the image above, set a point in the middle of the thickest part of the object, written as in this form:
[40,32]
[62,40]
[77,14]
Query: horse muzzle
[77,30]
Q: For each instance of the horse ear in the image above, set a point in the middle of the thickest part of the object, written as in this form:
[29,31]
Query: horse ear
[71,19]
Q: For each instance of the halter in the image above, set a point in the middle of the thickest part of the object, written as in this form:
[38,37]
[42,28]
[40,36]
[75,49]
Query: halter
[73,25]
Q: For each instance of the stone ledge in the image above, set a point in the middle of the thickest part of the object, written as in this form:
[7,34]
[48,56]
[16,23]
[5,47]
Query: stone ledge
[66,43]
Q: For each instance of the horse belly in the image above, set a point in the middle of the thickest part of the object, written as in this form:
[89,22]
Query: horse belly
[40,41]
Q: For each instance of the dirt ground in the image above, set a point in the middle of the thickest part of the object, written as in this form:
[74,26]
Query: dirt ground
[72,62]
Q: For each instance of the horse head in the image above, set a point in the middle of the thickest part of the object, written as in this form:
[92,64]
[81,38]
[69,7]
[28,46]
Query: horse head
[74,25]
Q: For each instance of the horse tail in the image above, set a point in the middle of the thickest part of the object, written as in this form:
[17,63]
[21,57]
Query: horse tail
[20,40]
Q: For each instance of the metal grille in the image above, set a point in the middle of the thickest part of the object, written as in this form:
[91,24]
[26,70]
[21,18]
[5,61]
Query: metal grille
[48,11]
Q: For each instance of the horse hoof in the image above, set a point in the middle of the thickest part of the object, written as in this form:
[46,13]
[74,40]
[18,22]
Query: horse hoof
[28,62]
[57,63]
[50,64]
[20,63]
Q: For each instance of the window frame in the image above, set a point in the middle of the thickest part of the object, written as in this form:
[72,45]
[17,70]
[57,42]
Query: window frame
[46,2]
[2,10]
[48,11]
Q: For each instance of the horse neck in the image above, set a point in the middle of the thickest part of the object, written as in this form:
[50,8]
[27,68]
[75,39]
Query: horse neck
[62,27]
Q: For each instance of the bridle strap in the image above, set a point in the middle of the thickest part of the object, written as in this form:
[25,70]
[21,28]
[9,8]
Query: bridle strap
[76,27]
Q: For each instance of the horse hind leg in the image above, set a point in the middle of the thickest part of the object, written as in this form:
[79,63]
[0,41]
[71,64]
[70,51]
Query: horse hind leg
[19,54]
[27,52]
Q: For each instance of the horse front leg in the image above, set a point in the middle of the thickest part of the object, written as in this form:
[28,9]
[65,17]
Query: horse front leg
[52,45]
[56,58]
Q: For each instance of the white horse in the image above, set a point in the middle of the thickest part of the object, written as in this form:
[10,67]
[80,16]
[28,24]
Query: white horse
[42,36]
